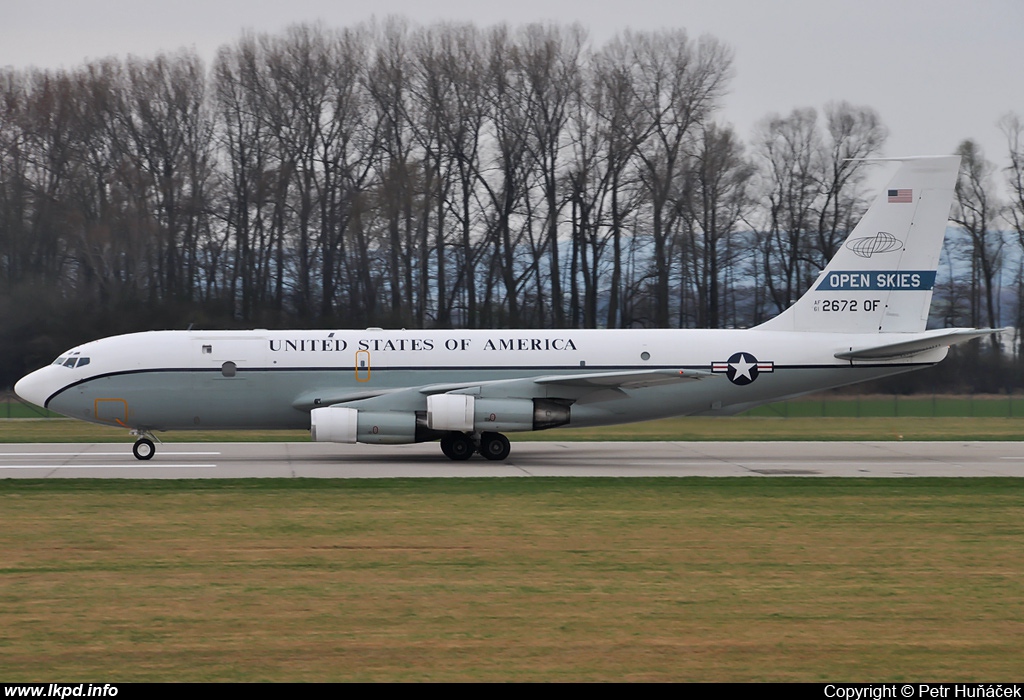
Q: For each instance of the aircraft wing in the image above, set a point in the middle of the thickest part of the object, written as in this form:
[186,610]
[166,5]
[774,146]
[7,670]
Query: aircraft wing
[595,385]
[319,399]
[609,386]
[626,380]
[921,343]
[580,389]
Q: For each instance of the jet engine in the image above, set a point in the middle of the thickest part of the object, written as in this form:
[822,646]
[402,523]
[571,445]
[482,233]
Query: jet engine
[468,414]
[351,425]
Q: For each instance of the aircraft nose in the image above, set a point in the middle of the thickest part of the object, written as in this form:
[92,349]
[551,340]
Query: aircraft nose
[33,387]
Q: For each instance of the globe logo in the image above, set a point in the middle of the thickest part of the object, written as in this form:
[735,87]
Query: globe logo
[881,242]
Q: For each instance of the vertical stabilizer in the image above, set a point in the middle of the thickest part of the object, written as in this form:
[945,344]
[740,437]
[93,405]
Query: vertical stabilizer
[881,279]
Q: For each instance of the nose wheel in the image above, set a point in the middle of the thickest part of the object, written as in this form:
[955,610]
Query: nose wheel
[143,448]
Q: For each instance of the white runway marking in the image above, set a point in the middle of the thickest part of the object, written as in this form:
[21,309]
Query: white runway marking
[122,453]
[132,465]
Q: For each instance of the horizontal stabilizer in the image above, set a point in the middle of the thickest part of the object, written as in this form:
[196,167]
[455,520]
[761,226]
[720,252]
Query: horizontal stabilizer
[921,343]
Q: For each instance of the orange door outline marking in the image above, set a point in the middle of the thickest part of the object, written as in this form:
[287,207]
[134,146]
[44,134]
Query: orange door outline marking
[362,365]
[113,418]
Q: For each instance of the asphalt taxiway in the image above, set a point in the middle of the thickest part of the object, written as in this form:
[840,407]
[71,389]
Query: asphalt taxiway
[615,459]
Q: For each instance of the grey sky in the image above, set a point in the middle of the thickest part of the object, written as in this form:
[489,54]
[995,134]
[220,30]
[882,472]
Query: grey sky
[937,71]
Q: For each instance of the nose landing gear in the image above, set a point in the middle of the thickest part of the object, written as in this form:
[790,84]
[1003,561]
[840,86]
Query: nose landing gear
[143,449]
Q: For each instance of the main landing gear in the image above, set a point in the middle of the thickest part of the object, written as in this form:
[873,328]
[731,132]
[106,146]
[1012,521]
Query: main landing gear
[460,446]
[143,448]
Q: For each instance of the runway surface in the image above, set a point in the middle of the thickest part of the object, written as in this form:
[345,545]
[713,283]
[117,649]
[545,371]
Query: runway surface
[618,459]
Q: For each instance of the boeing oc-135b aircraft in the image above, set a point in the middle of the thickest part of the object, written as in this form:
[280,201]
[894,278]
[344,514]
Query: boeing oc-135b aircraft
[863,318]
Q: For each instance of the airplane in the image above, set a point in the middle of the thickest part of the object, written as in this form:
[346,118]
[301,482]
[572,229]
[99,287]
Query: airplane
[862,319]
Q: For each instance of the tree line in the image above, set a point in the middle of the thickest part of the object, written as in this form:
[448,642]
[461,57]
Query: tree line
[440,176]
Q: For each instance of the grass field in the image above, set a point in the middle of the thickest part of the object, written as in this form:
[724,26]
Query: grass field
[11,408]
[512,579]
[528,580]
[896,406]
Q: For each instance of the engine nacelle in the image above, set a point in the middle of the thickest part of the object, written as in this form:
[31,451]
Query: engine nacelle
[466,413]
[503,415]
[351,425]
[449,412]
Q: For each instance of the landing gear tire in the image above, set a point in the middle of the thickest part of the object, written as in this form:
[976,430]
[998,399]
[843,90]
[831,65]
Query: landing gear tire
[446,446]
[457,447]
[144,449]
[494,446]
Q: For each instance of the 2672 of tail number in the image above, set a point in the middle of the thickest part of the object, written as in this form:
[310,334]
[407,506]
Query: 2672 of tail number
[846,304]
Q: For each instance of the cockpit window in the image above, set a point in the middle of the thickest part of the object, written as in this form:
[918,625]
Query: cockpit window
[71,361]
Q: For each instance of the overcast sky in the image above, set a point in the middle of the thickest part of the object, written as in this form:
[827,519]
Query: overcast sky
[937,71]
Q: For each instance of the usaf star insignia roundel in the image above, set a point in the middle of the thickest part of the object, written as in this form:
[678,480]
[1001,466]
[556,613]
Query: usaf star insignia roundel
[742,368]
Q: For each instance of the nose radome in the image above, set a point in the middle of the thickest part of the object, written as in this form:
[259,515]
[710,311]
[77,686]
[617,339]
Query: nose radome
[32,387]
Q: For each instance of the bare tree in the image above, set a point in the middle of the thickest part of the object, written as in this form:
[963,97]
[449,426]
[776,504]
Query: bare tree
[976,209]
[1013,128]
[257,179]
[679,85]
[790,150]
[463,70]
[853,134]
[717,201]
[550,62]
[504,180]
[619,130]
[813,183]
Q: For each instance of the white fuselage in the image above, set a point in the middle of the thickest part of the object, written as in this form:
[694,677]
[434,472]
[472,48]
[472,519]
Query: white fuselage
[173,380]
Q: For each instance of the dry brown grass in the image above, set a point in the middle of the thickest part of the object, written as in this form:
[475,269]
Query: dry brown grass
[515,579]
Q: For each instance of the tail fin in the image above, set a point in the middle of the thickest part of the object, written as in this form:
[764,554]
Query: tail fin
[881,280]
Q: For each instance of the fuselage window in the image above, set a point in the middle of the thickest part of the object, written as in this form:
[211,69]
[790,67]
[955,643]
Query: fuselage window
[228,369]
[207,349]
